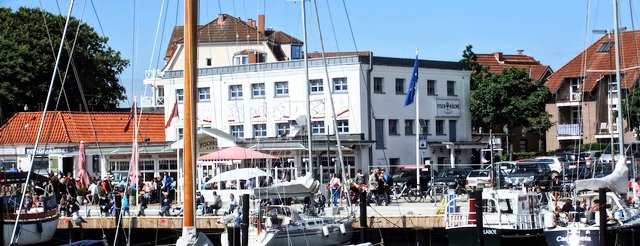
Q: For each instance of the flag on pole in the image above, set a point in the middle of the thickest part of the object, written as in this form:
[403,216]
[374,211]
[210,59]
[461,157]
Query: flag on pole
[174,113]
[411,91]
[126,127]
[135,155]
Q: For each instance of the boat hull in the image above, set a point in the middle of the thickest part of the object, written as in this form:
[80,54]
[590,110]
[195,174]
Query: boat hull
[295,236]
[32,231]
[468,235]
[562,236]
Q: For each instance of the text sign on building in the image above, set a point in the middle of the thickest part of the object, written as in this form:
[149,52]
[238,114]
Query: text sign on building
[52,150]
[447,107]
[207,145]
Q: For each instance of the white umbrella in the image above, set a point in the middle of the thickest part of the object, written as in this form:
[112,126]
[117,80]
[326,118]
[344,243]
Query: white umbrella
[239,174]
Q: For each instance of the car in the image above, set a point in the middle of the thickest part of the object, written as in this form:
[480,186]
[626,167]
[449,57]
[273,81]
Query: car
[452,176]
[528,173]
[556,163]
[631,149]
[483,176]
[505,166]
[591,157]
[572,157]
[407,174]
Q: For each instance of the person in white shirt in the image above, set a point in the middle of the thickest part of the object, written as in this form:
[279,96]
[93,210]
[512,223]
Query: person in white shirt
[93,192]
[335,189]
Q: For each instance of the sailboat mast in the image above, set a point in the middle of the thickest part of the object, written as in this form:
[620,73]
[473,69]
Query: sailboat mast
[418,130]
[618,81]
[306,79]
[190,110]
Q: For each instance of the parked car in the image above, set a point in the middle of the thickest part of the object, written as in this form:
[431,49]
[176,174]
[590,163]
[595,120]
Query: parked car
[591,157]
[452,176]
[631,150]
[556,163]
[483,176]
[505,166]
[572,157]
[407,174]
[536,173]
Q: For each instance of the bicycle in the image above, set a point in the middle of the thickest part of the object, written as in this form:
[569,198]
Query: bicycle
[434,192]
[398,191]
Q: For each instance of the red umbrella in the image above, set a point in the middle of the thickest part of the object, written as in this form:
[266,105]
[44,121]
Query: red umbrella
[82,176]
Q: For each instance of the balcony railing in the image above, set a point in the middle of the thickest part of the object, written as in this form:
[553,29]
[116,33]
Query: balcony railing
[569,130]
[149,102]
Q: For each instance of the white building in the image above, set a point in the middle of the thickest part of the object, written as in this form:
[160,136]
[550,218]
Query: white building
[261,102]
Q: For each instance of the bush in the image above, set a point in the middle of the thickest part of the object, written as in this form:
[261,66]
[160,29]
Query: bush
[527,155]
[592,146]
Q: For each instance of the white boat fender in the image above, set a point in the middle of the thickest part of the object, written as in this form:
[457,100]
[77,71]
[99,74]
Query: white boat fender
[549,222]
[325,231]
[343,229]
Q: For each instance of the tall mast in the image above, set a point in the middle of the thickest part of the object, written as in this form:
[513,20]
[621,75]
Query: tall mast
[418,130]
[307,86]
[618,78]
[190,109]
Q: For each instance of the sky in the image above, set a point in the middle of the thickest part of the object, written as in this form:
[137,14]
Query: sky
[551,31]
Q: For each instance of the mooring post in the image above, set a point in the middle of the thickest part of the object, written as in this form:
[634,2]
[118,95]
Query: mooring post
[2,221]
[478,196]
[602,196]
[363,216]
[245,220]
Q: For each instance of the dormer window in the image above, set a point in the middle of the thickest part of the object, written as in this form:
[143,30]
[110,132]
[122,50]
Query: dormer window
[240,60]
[575,89]
[296,52]
[605,47]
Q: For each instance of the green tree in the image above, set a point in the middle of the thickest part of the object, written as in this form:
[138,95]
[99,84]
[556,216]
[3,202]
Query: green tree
[510,98]
[631,108]
[29,40]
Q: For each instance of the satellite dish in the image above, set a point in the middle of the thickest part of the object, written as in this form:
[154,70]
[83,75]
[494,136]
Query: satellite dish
[505,129]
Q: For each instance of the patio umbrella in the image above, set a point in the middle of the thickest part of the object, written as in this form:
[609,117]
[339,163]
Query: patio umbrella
[82,176]
[235,153]
[135,156]
[239,174]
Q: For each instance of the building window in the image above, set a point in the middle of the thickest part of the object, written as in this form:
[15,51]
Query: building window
[147,169]
[259,130]
[343,126]
[282,129]
[204,94]
[393,127]
[237,131]
[431,87]
[257,90]
[394,161]
[240,60]
[282,88]
[180,95]
[399,86]
[296,52]
[439,127]
[315,86]
[605,47]
[339,84]
[317,127]
[451,88]
[179,133]
[424,126]
[379,134]
[235,92]
[408,127]
[378,87]
[523,145]
[576,115]
[208,62]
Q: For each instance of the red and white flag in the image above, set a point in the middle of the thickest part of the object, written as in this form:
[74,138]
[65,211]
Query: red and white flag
[174,113]
[135,156]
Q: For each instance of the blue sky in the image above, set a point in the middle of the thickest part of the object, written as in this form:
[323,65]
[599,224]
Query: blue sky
[551,31]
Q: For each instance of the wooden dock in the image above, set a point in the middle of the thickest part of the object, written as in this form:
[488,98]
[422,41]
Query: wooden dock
[211,222]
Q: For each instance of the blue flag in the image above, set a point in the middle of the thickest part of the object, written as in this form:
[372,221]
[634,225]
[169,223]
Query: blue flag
[411,91]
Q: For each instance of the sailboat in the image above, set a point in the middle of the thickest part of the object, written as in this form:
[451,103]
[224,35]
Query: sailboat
[621,230]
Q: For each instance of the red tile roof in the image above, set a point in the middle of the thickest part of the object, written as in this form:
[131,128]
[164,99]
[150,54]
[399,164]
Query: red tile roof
[594,65]
[229,29]
[497,62]
[73,127]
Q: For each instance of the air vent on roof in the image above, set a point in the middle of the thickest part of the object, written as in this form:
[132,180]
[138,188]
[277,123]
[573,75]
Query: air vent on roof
[605,47]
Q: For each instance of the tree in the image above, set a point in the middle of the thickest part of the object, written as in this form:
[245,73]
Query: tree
[510,98]
[29,40]
[632,108]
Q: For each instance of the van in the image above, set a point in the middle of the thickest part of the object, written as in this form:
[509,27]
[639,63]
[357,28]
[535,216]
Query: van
[631,149]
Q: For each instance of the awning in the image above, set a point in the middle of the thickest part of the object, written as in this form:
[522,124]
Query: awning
[126,149]
[235,153]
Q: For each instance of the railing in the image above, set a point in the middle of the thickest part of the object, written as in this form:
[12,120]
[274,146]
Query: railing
[603,128]
[569,130]
[576,97]
[515,221]
[283,65]
[149,102]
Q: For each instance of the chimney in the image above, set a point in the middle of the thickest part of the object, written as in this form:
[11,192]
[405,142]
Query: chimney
[498,56]
[520,52]
[251,23]
[261,23]
[220,19]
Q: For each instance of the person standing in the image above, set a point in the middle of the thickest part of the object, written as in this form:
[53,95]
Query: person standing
[335,189]
[232,203]
[359,177]
[166,182]
[388,183]
[93,193]
[373,185]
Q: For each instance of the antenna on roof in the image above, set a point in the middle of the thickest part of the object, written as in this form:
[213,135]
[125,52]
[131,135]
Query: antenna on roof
[520,52]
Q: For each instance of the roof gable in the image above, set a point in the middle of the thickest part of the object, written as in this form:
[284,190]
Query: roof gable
[593,63]
[497,62]
[68,127]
